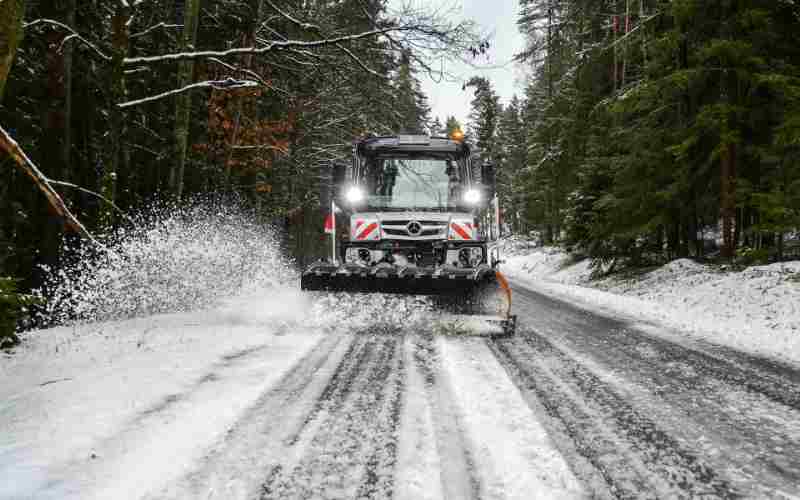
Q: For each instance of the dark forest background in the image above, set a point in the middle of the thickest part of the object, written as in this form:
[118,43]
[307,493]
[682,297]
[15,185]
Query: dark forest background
[648,129]
[93,98]
[652,130]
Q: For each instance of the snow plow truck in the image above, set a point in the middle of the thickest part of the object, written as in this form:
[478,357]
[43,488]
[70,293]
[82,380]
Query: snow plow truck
[423,220]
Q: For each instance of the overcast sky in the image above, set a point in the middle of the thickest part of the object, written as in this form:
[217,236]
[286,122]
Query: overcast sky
[495,17]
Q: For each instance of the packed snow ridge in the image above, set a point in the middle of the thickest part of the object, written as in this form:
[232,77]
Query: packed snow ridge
[756,310]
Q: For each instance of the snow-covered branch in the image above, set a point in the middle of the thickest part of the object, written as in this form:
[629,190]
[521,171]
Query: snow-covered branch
[291,19]
[153,28]
[92,193]
[271,46]
[10,146]
[228,84]
[318,30]
[269,147]
[73,35]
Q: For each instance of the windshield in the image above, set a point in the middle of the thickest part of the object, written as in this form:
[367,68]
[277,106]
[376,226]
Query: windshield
[413,184]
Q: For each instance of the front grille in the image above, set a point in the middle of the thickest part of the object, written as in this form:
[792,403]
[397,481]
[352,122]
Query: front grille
[431,229]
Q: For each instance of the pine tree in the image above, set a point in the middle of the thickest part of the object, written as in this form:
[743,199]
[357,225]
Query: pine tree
[413,111]
[452,125]
[436,128]
[484,114]
[511,160]
[649,123]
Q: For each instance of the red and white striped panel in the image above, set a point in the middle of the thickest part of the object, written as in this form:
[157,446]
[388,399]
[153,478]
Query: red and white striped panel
[461,230]
[364,230]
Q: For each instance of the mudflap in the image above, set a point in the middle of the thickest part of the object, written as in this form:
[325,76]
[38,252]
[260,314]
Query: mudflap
[482,291]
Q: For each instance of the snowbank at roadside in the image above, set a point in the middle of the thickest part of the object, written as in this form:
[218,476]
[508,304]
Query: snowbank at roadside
[756,310]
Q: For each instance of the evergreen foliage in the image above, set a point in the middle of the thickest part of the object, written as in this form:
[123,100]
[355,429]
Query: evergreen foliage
[451,125]
[485,111]
[13,306]
[263,142]
[654,130]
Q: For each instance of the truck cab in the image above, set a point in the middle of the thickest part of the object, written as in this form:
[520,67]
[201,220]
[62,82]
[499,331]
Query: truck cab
[423,220]
[417,201]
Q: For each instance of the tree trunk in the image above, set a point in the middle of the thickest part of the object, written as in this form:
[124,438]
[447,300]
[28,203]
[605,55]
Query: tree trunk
[24,163]
[56,140]
[727,198]
[616,63]
[643,27]
[120,42]
[12,12]
[625,45]
[183,101]
[697,239]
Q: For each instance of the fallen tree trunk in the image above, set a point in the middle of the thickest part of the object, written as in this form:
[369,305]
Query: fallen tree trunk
[10,146]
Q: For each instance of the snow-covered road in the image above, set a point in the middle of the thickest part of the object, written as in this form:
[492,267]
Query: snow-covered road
[239,404]
[651,412]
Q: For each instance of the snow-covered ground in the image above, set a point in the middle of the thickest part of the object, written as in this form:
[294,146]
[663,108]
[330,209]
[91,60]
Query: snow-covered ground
[208,403]
[196,369]
[756,310]
[117,404]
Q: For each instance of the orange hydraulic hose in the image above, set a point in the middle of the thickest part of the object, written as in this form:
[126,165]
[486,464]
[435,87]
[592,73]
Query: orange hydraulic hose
[504,285]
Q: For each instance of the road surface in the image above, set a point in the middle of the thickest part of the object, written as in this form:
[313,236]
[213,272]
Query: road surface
[577,405]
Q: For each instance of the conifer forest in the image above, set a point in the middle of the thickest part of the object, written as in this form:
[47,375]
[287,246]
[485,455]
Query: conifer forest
[126,104]
[647,130]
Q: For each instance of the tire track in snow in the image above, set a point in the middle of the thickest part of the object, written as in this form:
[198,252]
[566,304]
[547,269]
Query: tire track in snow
[629,450]
[347,445]
[232,468]
[763,376]
[459,478]
[175,426]
[170,400]
[736,411]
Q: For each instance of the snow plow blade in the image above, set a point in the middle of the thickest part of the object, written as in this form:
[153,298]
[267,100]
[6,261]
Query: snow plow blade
[482,291]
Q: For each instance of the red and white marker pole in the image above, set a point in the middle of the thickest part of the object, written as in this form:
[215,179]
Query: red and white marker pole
[333,233]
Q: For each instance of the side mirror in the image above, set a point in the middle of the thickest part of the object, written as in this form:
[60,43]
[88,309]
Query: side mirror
[325,188]
[331,179]
[339,174]
[338,180]
[489,179]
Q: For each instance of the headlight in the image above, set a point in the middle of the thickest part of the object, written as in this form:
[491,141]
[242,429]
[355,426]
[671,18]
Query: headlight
[354,194]
[472,196]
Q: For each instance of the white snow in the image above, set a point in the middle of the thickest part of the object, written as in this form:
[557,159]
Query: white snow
[511,448]
[756,310]
[418,462]
[132,408]
[109,410]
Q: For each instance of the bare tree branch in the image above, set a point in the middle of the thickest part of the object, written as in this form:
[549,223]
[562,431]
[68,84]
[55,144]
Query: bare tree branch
[271,46]
[149,30]
[295,21]
[318,30]
[92,193]
[10,146]
[73,34]
[228,84]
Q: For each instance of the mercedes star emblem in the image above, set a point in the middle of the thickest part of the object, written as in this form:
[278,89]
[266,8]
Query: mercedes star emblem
[414,228]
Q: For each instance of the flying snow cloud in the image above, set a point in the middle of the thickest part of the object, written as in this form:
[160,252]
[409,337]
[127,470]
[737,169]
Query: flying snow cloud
[174,260]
